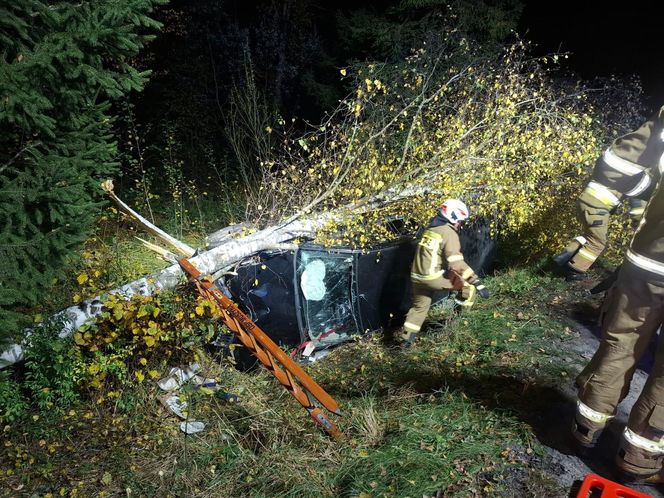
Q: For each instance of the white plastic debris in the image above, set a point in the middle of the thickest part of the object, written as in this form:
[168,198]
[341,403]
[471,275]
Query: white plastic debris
[175,404]
[309,348]
[199,381]
[192,427]
[177,377]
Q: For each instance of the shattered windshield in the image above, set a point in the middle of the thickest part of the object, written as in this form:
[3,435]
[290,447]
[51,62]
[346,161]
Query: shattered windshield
[326,295]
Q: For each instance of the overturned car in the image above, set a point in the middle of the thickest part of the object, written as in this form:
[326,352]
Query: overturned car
[315,297]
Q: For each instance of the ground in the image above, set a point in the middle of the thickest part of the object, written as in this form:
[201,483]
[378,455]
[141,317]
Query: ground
[480,406]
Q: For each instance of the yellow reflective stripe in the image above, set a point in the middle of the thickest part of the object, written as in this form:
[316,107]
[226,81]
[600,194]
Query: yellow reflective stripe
[454,258]
[593,415]
[468,272]
[433,235]
[433,276]
[434,256]
[602,194]
[411,327]
[637,211]
[587,255]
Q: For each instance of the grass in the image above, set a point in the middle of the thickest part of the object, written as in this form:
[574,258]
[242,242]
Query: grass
[452,416]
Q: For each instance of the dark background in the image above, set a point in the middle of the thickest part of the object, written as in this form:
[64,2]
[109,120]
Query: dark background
[603,39]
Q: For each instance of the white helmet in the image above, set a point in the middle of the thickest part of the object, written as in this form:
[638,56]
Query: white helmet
[454,211]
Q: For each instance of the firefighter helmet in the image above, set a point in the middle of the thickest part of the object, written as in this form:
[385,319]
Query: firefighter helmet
[454,211]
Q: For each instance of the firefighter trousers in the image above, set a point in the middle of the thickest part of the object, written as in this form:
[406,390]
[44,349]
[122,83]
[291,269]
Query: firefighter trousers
[631,315]
[422,293]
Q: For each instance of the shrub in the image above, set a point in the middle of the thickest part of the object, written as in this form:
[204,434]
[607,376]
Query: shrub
[132,338]
[13,405]
[50,361]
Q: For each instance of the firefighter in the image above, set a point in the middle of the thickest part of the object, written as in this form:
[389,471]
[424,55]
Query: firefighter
[628,169]
[632,313]
[439,265]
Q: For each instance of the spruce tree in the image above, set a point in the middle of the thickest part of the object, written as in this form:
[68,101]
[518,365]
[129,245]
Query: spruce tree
[62,63]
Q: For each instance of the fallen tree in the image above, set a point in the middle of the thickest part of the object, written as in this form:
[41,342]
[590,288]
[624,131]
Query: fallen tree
[224,253]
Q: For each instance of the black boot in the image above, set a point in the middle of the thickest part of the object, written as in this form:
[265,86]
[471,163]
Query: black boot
[563,258]
[572,275]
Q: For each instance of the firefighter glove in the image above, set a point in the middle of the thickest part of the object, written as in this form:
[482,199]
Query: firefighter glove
[482,291]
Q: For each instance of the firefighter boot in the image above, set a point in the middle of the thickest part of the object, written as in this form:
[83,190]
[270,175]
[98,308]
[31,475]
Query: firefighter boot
[586,433]
[573,275]
[638,464]
[407,339]
[562,258]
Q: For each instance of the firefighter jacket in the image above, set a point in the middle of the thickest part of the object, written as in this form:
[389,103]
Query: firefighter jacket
[645,257]
[439,250]
[631,166]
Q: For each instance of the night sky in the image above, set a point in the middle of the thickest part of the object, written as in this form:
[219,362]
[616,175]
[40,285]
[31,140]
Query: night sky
[602,40]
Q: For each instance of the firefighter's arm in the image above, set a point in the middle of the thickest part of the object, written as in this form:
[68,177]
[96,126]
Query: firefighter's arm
[462,275]
[455,262]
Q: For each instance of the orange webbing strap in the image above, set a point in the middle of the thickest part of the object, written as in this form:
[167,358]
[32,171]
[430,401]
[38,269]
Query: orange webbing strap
[287,372]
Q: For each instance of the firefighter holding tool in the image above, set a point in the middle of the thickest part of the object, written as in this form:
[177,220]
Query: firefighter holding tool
[439,265]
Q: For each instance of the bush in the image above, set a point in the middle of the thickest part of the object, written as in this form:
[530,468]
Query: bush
[50,363]
[132,338]
[13,405]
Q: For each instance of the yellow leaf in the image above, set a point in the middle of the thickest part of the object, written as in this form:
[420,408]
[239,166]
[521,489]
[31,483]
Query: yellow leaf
[82,278]
[139,375]
[143,361]
[343,72]
[149,341]
[153,374]
[107,478]
[200,311]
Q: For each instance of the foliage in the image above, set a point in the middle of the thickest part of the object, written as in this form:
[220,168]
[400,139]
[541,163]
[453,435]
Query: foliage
[62,64]
[497,133]
[390,32]
[133,337]
[157,177]
[50,374]
[13,404]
